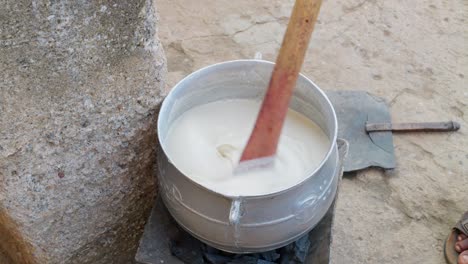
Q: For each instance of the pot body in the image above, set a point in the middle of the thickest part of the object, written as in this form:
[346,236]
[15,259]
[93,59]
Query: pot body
[253,223]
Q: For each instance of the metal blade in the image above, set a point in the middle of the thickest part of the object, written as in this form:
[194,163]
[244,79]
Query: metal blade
[354,109]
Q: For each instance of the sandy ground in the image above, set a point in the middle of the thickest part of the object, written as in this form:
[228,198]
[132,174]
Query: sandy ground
[412,53]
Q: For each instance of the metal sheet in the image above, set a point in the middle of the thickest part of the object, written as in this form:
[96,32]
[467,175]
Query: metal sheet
[354,109]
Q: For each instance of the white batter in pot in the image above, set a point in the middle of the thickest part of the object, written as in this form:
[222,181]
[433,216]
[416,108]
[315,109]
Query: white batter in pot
[205,143]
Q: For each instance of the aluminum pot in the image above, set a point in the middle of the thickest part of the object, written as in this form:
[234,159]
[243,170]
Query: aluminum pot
[251,223]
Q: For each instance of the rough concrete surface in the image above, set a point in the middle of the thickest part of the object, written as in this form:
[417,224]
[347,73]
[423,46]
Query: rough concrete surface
[413,53]
[80,85]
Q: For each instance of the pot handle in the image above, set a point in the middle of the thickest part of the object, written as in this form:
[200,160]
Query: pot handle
[235,211]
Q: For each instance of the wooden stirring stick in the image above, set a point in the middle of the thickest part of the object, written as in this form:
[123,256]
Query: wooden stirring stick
[263,141]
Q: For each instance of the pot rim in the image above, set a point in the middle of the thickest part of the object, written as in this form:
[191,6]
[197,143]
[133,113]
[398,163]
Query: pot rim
[201,70]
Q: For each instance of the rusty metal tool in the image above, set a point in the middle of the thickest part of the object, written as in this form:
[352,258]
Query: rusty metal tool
[413,127]
[364,121]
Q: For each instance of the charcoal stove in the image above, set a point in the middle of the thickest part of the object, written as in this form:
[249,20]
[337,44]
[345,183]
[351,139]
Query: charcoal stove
[164,241]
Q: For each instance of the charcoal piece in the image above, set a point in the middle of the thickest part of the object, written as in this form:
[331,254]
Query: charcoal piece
[246,259]
[220,257]
[261,261]
[191,251]
[301,248]
[187,248]
[296,252]
[243,260]
[216,259]
[287,254]
[270,256]
[210,250]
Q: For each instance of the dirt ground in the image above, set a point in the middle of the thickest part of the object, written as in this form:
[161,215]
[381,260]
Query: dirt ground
[412,53]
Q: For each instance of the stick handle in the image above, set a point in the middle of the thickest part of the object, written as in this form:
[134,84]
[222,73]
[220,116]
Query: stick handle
[264,139]
[410,127]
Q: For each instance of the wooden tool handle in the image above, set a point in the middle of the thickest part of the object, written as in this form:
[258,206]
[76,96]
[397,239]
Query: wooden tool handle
[409,127]
[265,136]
